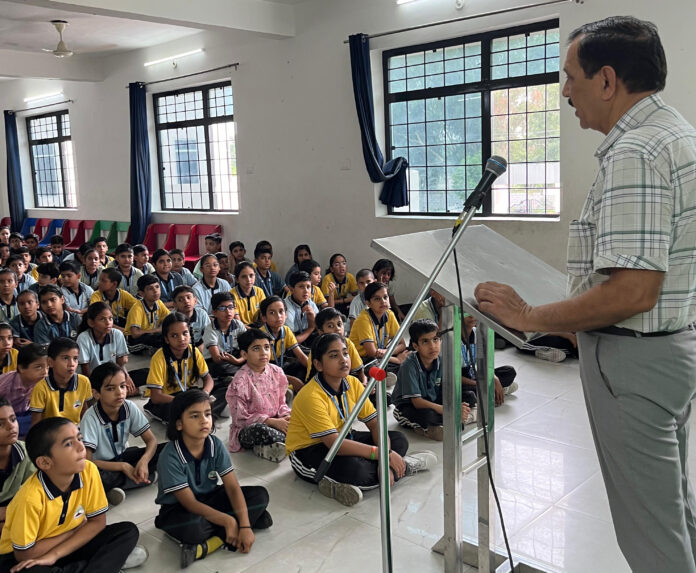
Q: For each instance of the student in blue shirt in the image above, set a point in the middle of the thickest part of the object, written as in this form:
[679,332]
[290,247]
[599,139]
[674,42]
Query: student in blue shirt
[57,321]
[167,278]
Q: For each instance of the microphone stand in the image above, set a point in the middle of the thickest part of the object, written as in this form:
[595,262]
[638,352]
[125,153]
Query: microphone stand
[472,203]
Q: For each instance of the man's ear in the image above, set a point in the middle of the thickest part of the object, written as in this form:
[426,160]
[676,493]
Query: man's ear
[607,76]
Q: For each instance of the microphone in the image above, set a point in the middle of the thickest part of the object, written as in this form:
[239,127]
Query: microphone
[495,167]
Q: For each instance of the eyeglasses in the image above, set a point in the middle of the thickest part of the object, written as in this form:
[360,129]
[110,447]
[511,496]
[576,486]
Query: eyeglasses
[224,308]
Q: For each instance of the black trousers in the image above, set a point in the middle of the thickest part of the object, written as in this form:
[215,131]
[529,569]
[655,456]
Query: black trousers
[259,435]
[106,552]
[425,417]
[349,469]
[132,456]
[153,339]
[222,370]
[506,375]
[193,529]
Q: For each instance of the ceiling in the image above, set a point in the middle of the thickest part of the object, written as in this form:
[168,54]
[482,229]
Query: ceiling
[26,28]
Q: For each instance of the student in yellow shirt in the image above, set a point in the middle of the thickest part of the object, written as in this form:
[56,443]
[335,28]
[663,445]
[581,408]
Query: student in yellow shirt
[339,282]
[313,269]
[144,323]
[247,297]
[8,355]
[121,301]
[63,392]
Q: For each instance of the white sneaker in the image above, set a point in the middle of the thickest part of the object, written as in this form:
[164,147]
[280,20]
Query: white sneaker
[274,452]
[511,389]
[472,417]
[136,558]
[115,496]
[343,493]
[550,354]
[390,380]
[419,461]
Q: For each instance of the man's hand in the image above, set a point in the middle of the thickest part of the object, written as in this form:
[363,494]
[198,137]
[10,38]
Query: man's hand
[502,302]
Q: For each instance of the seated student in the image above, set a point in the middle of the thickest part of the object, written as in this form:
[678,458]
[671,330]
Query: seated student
[430,308]
[204,514]
[16,387]
[17,265]
[178,266]
[270,282]
[5,234]
[285,350]
[220,338]
[8,355]
[302,253]
[15,465]
[313,269]
[105,430]
[56,321]
[29,314]
[375,327]
[301,310]
[256,398]
[144,323]
[209,284]
[99,341]
[8,296]
[238,253]
[363,277]
[63,392]
[46,274]
[91,269]
[31,241]
[77,294]
[101,246]
[339,282]
[168,279]
[247,297]
[186,303]
[120,301]
[23,252]
[16,240]
[318,413]
[43,255]
[417,396]
[384,272]
[57,520]
[57,246]
[175,367]
[212,244]
[141,258]
[123,261]
[224,261]
[4,254]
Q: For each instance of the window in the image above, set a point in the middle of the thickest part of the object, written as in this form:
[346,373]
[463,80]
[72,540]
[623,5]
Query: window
[52,166]
[196,149]
[450,105]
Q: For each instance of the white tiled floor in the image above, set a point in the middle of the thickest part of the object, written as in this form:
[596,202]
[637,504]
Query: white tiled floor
[547,474]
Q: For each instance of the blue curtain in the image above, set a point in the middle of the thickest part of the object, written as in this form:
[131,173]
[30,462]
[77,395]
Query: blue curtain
[15,193]
[140,183]
[393,173]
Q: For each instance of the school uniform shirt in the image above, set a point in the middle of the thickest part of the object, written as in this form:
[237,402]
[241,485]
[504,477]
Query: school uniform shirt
[295,318]
[18,470]
[46,330]
[9,310]
[427,310]
[248,306]
[92,280]
[271,284]
[49,399]
[348,286]
[198,321]
[147,269]
[9,363]
[225,341]
[144,317]
[366,328]
[107,438]
[280,345]
[319,411]
[20,328]
[318,296]
[34,273]
[188,276]
[128,283]
[15,392]
[40,510]
[78,301]
[157,377]
[204,293]
[25,282]
[95,353]
[122,302]
[253,397]
[178,469]
[414,381]
[167,286]
[357,305]
[356,362]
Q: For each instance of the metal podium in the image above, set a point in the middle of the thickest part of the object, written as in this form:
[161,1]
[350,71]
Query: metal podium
[483,255]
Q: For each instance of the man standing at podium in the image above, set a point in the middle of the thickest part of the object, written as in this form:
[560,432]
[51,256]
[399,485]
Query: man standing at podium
[631,289]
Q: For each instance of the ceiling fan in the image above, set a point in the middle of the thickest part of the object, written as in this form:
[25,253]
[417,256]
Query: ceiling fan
[61,50]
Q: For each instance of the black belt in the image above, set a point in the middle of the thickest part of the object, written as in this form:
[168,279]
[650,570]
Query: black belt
[618,331]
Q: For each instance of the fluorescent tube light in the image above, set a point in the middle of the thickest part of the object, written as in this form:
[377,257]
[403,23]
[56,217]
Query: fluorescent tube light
[173,58]
[404,1]
[43,97]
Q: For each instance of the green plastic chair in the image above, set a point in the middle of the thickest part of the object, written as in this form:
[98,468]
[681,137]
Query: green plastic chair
[118,229]
[101,229]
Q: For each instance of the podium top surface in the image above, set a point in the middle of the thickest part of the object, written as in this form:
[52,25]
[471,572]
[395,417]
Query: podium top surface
[483,255]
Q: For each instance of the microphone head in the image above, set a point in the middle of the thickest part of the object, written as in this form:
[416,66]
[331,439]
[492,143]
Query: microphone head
[496,165]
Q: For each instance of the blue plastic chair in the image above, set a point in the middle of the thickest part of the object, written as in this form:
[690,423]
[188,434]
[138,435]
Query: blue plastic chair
[27,226]
[53,229]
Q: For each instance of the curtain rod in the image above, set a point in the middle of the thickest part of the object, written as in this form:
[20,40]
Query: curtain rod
[41,106]
[472,17]
[235,66]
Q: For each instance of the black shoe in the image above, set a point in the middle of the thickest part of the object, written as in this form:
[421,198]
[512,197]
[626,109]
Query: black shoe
[264,521]
[188,555]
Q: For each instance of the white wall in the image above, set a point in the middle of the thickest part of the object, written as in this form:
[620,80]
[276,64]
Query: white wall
[297,126]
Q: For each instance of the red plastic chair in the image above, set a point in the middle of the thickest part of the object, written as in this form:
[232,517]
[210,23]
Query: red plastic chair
[72,229]
[192,250]
[178,230]
[84,230]
[41,226]
[5,222]
[151,233]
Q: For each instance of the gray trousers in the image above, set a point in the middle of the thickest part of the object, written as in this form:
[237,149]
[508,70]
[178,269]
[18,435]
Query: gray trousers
[638,393]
